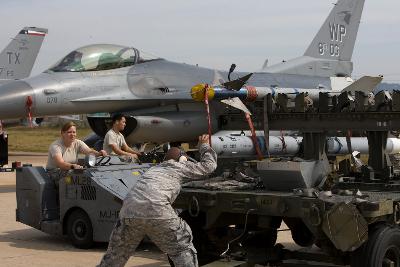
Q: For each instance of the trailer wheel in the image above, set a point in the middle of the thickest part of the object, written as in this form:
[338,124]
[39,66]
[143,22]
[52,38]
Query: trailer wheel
[301,235]
[381,249]
[80,230]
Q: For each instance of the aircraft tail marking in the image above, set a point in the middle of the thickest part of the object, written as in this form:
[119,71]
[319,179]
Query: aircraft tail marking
[17,59]
[330,52]
[337,36]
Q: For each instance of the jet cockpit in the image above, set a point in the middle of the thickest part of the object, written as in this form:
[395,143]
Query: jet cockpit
[101,57]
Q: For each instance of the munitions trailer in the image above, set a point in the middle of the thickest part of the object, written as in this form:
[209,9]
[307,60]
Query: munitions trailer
[351,215]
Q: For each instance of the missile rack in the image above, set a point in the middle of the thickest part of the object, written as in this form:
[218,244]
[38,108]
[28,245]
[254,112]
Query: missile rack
[345,112]
[353,216]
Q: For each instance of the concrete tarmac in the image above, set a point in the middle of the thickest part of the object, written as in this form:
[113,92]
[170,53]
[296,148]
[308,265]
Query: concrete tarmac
[21,245]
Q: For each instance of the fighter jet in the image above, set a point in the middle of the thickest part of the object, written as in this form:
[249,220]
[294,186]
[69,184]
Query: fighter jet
[329,54]
[156,93]
[17,59]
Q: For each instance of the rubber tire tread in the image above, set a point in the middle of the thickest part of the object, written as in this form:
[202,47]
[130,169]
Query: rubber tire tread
[302,236]
[88,241]
[370,254]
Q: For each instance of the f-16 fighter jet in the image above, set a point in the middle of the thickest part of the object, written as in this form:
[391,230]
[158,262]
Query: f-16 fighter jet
[156,92]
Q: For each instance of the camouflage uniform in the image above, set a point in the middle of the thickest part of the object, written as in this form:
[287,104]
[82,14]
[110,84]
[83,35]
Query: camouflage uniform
[147,210]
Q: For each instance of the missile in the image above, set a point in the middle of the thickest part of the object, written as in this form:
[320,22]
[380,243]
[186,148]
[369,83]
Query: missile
[365,84]
[230,146]
[251,93]
[241,146]
[338,145]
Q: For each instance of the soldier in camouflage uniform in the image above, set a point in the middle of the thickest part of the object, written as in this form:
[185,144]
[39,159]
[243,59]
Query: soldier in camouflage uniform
[147,210]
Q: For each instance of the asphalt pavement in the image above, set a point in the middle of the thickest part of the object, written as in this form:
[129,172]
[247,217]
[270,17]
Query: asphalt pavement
[22,245]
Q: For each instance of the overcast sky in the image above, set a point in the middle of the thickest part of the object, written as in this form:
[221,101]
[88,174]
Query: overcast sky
[211,33]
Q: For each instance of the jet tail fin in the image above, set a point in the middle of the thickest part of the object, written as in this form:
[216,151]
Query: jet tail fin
[366,84]
[17,59]
[330,52]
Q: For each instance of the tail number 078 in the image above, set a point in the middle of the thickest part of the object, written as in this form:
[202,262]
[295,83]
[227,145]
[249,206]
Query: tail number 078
[51,100]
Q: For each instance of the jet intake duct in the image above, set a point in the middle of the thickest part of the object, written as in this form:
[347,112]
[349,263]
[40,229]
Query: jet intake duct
[169,127]
[101,125]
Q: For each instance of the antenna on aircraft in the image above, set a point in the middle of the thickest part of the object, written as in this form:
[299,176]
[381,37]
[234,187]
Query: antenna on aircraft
[265,64]
[231,69]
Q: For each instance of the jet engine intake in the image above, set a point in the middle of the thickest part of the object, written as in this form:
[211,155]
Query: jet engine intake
[169,127]
[158,127]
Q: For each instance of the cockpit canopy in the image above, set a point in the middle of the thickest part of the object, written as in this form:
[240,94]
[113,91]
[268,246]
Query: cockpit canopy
[100,57]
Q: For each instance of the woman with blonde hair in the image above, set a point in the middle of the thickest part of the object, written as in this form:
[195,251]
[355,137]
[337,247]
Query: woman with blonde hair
[63,153]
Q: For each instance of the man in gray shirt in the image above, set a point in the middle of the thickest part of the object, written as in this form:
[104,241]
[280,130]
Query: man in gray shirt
[114,142]
[147,209]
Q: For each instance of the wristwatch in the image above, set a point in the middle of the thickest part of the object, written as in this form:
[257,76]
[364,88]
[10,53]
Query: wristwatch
[72,166]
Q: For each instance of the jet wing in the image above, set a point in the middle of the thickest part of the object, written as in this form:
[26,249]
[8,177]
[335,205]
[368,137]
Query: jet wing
[365,84]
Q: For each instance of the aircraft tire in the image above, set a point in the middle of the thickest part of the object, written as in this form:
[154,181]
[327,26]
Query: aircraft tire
[80,230]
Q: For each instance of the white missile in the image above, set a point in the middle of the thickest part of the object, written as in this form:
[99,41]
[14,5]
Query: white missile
[365,84]
[230,146]
[338,145]
[241,146]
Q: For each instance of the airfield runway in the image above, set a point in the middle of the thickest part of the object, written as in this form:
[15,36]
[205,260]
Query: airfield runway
[21,245]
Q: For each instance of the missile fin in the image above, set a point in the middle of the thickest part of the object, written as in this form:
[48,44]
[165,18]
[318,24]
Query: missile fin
[238,83]
[365,84]
[236,103]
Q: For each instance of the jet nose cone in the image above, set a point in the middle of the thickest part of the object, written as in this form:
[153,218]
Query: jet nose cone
[15,99]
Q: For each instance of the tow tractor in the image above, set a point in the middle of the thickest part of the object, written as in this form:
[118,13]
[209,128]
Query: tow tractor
[352,215]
